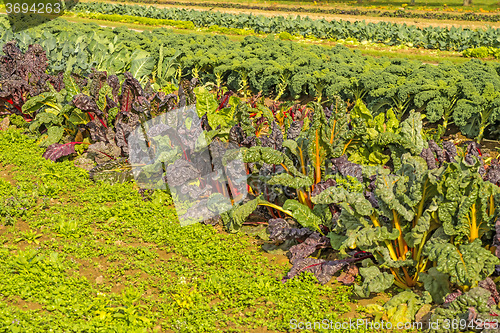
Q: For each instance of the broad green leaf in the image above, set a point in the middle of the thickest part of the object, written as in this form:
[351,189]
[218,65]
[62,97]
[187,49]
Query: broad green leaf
[411,133]
[205,102]
[33,104]
[286,179]
[436,283]
[55,134]
[374,281]
[142,64]
[303,214]
[467,265]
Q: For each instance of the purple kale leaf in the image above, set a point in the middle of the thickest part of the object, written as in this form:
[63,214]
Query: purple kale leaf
[322,269]
[473,150]
[323,185]
[280,230]
[429,158]
[346,168]
[450,151]
[294,130]
[308,247]
[493,172]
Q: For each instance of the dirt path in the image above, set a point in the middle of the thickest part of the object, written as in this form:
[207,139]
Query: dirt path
[421,23]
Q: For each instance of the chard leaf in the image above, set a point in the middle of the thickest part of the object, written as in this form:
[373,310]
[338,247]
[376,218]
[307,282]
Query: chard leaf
[70,85]
[436,283]
[374,281]
[205,102]
[388,193]
[411,133]
[361,111]
[271,156]
[239,214]
[34,103]
[403,307]
[303,214]
[467,265]
[339,195]
[58,150]
[292,145]
[286,179]
[55,133]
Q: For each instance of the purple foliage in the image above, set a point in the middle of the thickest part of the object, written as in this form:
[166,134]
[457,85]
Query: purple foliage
[346,168]
[490,285]
[451,297]
[323,185]
[322,269]
[280,230]
[473,150]
[294,130]
[58,150]
[450,151]
[493,173]
[308,247]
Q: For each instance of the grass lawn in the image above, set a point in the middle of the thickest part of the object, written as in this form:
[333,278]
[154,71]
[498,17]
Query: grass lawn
[80,256]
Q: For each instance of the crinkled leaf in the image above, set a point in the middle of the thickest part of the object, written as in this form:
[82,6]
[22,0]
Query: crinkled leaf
[303,214]
[436,283]
[339,195]
[374,281]
[411,133]
[467,265]
[286,179]
[322,269]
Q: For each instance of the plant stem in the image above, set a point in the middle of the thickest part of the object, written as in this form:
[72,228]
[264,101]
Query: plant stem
[268,204]
[474,232]
[403,248]
[318,161]
[392,253]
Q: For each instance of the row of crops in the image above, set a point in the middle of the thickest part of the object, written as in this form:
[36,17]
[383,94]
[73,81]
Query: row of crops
[418,212]
[467,95]
[458,39]
[469,16]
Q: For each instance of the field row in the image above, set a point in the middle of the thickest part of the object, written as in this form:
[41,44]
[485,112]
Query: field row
[466,94]
[399,13]
[458,39]
[346,177]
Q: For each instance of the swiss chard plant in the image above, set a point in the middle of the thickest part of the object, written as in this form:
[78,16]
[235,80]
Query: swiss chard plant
[416,217]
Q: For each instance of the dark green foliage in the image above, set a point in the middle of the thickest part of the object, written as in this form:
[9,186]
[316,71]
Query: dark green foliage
[381,32]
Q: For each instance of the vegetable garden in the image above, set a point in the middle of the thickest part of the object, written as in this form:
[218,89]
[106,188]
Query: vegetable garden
[373,176]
